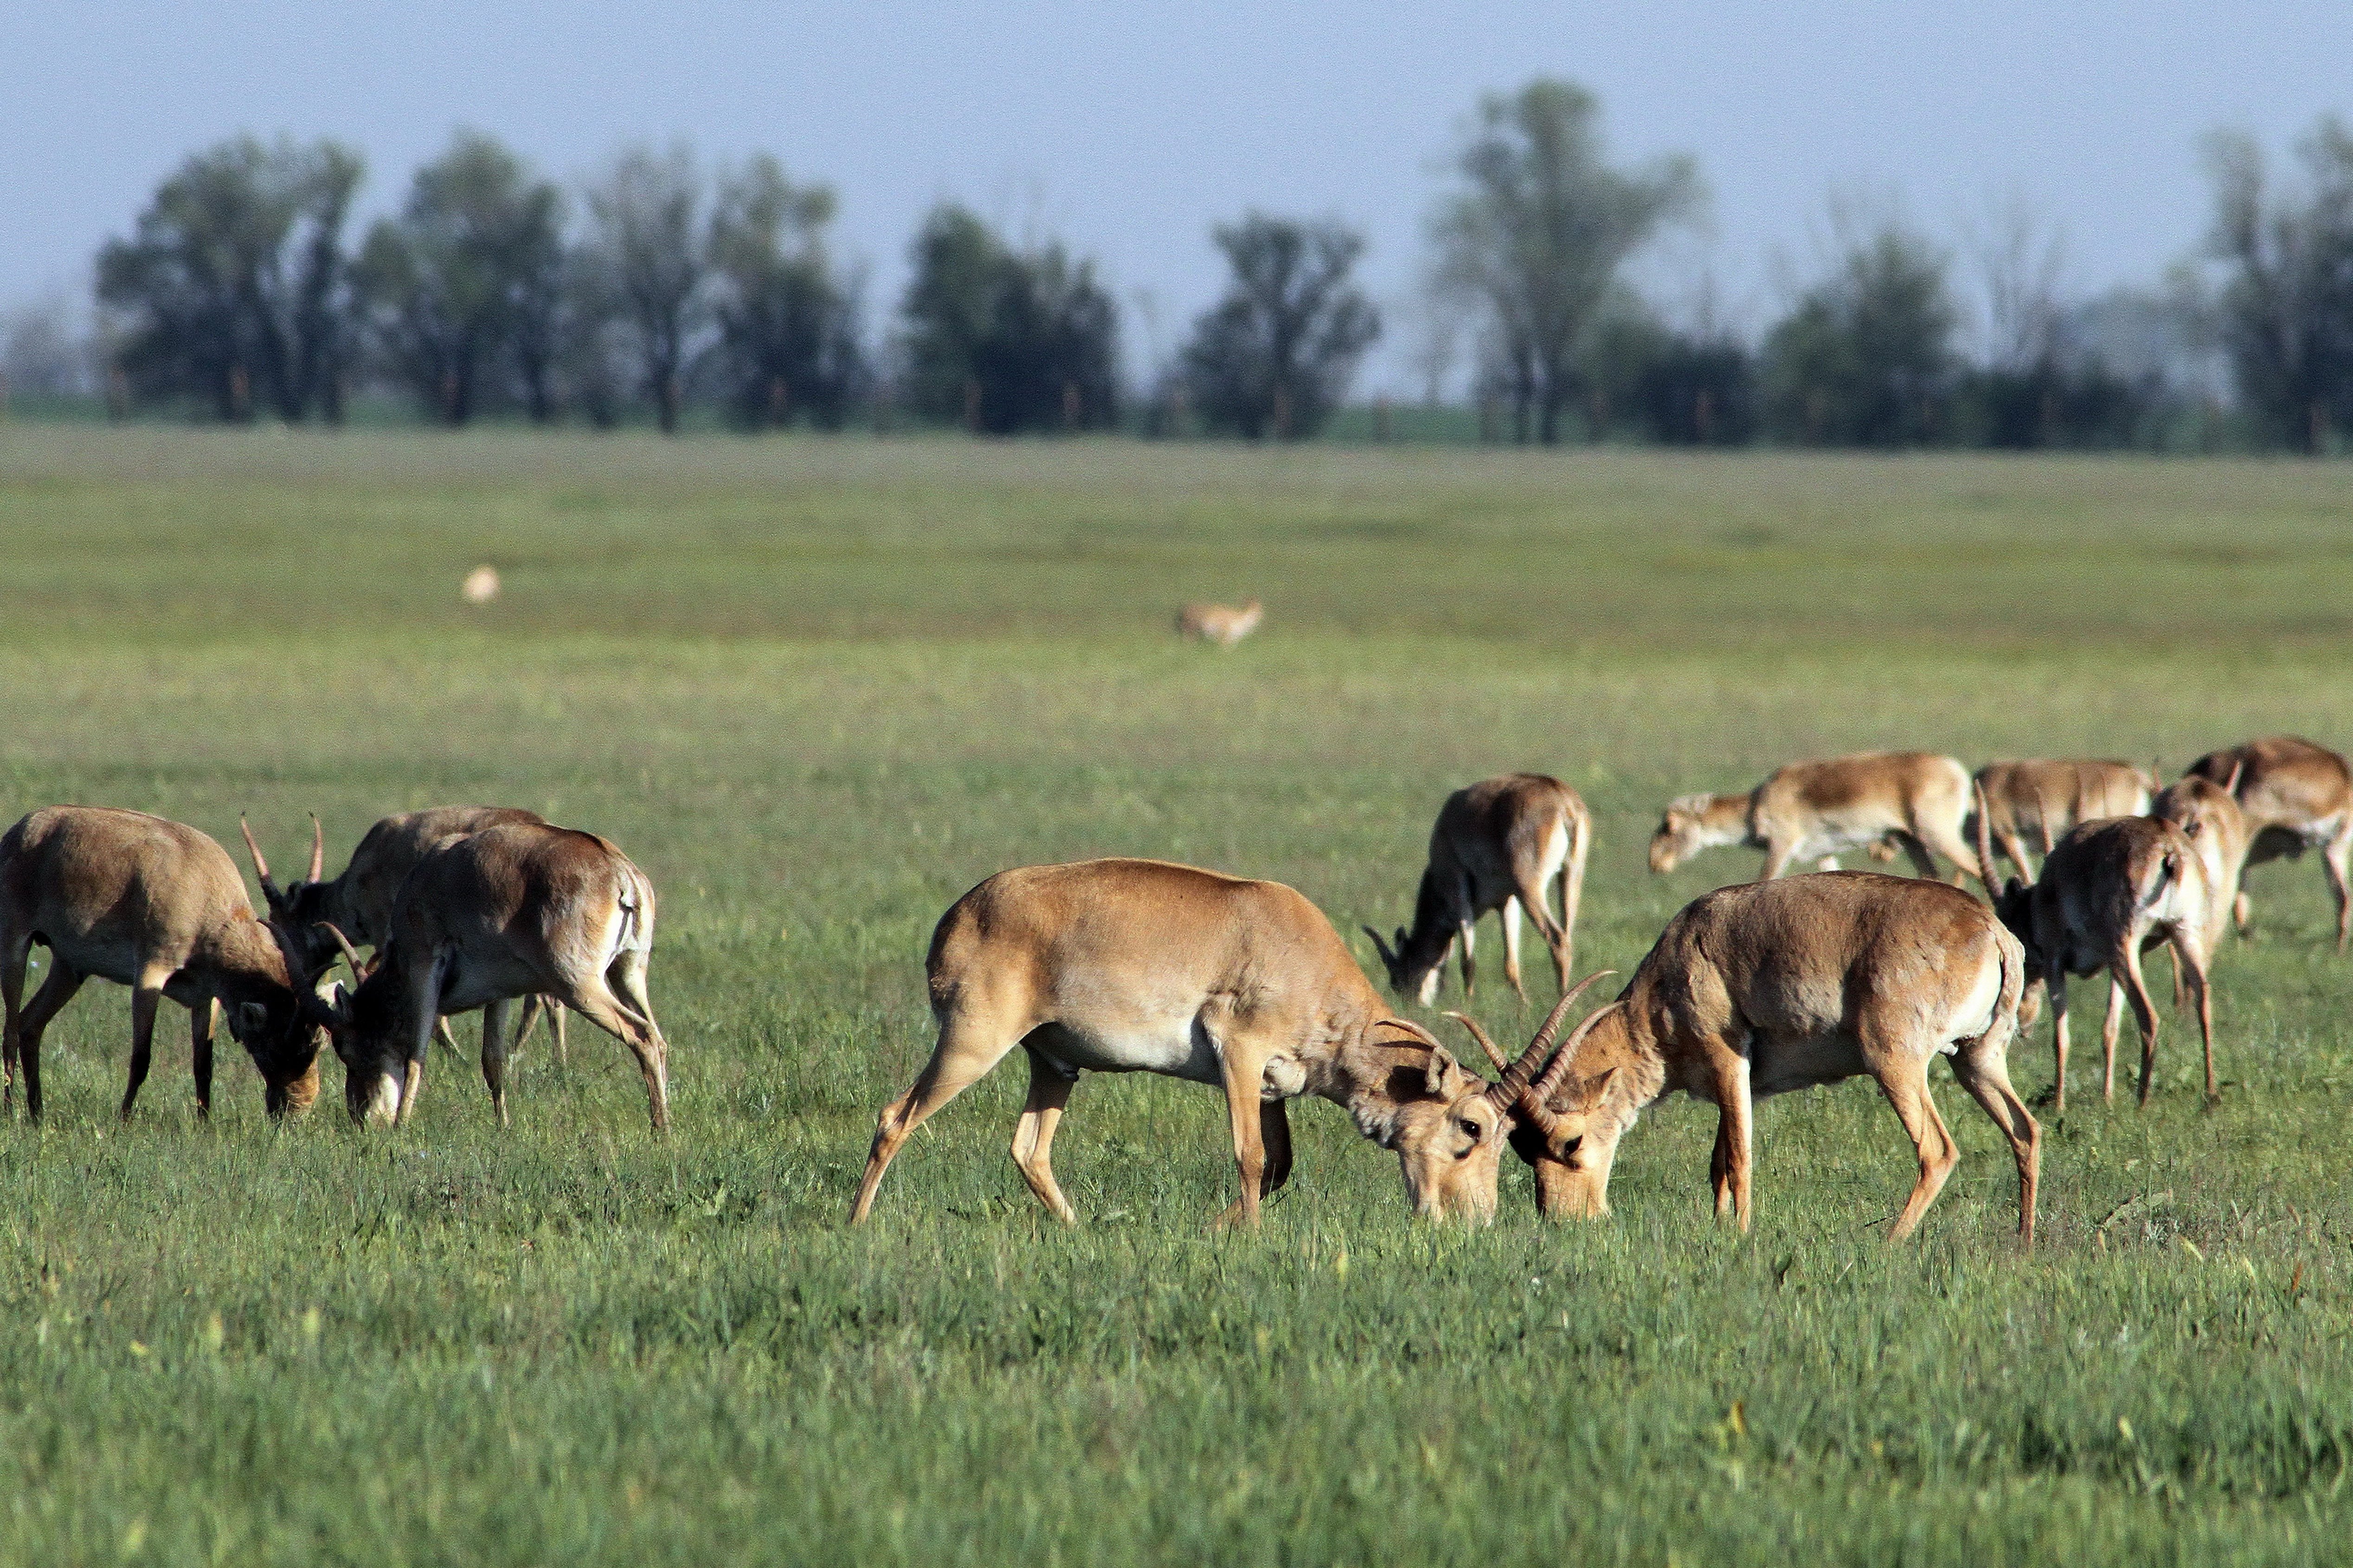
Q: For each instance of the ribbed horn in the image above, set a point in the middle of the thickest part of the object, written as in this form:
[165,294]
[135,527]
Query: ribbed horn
[317,847]
[351,953]
[1410,1028]
[1540,1092]
[1516,1075]
[1495,1052]
[1985,840]
[270,888]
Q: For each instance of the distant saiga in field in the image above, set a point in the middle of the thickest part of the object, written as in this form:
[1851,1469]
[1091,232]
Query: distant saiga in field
[359,902]
[2109,890]
[1220,624]
[1769,986]
[1144,966]
[159,907]
[2045,798]
[1497,845]
[2296,796]
[520,909]
[1816,811]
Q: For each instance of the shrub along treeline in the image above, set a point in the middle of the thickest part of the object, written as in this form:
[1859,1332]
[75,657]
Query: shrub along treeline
[662,287]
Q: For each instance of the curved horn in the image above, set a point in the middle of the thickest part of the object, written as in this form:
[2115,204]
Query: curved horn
[1516,1075]
[270,888]
[1539,1093]
[2230,785]
[1410,1028]
[317,847]
[299,982]
[1985,839]
[351,954]
[1494,1054]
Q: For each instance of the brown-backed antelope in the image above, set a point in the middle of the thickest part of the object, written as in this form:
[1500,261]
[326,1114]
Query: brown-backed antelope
[1766,987]
[1219,624]
[1816,811]
[2110,890]
[521,908]
[2296,796]
[2043,799]
[159,907]
[1146,966]
[1496,846]
[2210,817]
[359,902]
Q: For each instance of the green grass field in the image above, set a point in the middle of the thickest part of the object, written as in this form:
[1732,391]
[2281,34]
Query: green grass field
[818,688]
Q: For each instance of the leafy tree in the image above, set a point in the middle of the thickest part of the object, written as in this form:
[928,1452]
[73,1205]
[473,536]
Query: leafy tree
[461,278]
[234,288]
[1865,358]
[2287,308]
[1275,356]
[1005,340]
[787,327]
[1670,386]
[647,250]
[1538,232]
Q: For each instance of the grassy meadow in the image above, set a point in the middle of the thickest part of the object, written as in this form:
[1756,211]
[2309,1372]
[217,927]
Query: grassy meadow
[817,689]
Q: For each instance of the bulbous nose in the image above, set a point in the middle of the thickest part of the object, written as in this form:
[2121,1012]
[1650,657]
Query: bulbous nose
[381,1107]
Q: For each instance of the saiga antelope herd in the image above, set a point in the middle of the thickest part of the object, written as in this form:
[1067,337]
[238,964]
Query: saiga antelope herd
[1128,965]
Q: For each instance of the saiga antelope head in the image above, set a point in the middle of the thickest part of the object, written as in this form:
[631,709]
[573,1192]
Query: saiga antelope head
[1564,1123]
[1677,838]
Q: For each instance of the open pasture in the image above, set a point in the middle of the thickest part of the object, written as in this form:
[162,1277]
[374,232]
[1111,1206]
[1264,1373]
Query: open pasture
[816,690]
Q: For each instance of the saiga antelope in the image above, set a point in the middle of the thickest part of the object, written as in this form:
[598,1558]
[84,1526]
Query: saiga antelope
[2296,796]
[517,909]
[1497,845]
[359,902]
[1219,624]
[2046,798]
[2110,890]
[1766,987]
[159,907]
[1146,966]
[1816,811]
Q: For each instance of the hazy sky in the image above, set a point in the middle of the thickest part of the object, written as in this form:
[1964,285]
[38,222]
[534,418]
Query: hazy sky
[1129,129]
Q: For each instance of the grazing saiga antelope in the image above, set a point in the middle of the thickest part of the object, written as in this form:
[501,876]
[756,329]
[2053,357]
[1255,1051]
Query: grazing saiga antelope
[1766,987]
[159,907]
[1816,811]
[359,902]
[1496,846]
[521,908]
[1219,624]
[2046,798]
[2210,817]
[1144,966]
[2109,891]
[2296,796]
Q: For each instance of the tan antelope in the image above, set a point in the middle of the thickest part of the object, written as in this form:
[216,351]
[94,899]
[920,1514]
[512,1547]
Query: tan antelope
[2210,817]
[1766,987]
[1496,846]
[521,908]
[2046,798]
[1146,966]
[2109,891]
[359,902]
[1219,624]
[1816,811]
[159,907]
[2296,796]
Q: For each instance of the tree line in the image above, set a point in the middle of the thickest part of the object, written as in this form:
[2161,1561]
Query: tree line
[242,292]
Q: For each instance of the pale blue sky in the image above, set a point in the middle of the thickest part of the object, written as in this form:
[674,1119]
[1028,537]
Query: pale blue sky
[1129,130]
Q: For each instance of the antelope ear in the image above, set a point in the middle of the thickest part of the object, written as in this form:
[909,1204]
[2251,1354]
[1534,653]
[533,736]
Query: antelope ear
[1445,1076]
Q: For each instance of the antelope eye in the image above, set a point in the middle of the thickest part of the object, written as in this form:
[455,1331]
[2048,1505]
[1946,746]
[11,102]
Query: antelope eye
[1469,1129]
[1570,1147]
